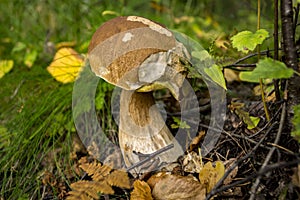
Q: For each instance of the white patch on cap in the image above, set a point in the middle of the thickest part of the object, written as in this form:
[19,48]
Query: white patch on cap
[127,37]
[151,25]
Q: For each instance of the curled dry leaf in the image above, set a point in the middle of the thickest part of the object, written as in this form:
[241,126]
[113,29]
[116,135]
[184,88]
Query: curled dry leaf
[196,140]
[170,187]
[141,191]
[210,175]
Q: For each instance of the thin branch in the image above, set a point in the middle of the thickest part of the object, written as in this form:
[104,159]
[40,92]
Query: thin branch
[150,156]
[257,181]
[265,52]
[215,189]
[266,169]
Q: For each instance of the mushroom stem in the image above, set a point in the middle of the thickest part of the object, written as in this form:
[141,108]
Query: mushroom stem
[142,129]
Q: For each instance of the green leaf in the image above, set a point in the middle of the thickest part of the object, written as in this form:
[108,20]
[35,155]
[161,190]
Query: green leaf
[30,58]
[251,121]
[255,121]
[19,46]
[179,124]
[296,123]
[5,67]
[267,69]
[246,41]
[215,73]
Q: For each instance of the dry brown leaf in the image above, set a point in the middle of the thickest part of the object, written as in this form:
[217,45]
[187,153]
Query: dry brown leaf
[196,140]
[231,75]
[192,163]
[222,43]
[210,175]
[118,178]
[77,195]
[102,173]
[173,187]
[141,191]
[84,189]
[96,170]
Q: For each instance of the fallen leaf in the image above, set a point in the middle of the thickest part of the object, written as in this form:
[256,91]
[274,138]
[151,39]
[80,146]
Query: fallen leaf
[196,140]
[231,75]
[30,58]
[141,191]
[210,175]
[66,65]
[5,67]
[174,187]
[88,189]
[250,121]
[119,178]
[192,163]
[222,43]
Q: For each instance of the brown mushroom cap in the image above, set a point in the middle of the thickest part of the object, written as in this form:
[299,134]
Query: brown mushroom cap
[122,44]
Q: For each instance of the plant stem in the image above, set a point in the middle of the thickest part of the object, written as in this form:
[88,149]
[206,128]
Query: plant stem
[258,57]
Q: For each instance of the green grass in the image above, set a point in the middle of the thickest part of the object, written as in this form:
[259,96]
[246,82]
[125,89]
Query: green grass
[38,118]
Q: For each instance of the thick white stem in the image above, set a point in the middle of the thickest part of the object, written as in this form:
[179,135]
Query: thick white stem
[142,129]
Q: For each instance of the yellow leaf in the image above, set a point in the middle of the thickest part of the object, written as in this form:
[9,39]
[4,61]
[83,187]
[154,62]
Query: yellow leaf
[209,175]
[5,67]
[220,169]
[65,44]
[66,65]
[141,191]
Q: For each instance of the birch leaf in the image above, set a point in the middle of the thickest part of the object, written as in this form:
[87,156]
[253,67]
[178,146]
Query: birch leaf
[66,65]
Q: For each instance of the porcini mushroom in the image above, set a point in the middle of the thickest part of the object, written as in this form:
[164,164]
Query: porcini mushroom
[139,55]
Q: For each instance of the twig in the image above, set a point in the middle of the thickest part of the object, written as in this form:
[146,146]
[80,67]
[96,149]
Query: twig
[265,52]
[234,66]
[257,181]
[150,156]
[281,147]
[260,173]
[267,124]
[215,190]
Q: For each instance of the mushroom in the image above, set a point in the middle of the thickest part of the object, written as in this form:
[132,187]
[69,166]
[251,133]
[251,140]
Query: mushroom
[139,56]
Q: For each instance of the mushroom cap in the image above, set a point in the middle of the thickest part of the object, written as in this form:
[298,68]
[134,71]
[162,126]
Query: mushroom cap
[122,44]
